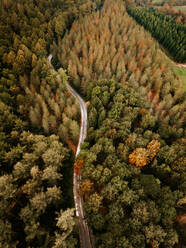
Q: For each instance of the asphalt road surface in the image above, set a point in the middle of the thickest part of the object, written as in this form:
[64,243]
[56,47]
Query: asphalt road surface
[84,234]
[85,240]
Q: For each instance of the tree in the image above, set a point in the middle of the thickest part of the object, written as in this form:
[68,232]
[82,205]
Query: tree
[120,198]
[154,235]
[141,156]
[66,224]
[74,131]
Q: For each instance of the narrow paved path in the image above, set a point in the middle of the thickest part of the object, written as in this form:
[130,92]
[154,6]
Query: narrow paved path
[84,234]
[85,240]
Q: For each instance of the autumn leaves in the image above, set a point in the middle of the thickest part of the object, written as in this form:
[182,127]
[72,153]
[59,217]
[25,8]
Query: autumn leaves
[142,156]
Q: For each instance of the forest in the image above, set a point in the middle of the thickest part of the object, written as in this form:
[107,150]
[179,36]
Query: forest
[164,28]
[39,126]
[130,155]
[162,2]
[132,183]
[174,8]
[178,15]
[134,169]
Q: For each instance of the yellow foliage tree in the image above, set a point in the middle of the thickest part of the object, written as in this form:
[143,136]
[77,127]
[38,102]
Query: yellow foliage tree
[153,148]
[142,156]
[139,157]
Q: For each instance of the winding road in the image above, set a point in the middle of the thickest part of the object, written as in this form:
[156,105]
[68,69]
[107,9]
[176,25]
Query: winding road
[84,234]
[85,240]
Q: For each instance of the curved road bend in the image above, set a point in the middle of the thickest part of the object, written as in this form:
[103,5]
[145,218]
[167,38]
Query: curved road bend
[85,241]
[83,227]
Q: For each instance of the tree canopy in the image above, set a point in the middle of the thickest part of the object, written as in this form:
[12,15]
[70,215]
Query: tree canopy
[164,28]
[132,163]
[133,176]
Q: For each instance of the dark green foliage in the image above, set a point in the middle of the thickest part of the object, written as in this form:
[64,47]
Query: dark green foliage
[129,206]
[10,129]
[167,31]
[177,14]
[31,192]
[31,186]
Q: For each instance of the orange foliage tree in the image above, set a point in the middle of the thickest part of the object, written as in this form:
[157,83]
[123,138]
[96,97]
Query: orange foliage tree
[78,165]
[85,188]
[142,156]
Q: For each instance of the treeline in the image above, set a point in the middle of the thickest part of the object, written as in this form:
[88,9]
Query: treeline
[167,31]
[36,198]
[133,180]
[158,3]
[178,15]
[140,2]
[109,44]
[173,2]
[169,9]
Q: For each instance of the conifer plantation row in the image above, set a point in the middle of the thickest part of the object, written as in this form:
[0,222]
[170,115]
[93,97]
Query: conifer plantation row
[164,28]
[177,14]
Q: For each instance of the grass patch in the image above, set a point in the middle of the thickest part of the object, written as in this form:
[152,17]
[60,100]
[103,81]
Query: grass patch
[181,72]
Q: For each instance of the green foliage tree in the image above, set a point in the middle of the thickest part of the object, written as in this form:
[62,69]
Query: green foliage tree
[31,190]
[65,223]
[126,205]
[163,28]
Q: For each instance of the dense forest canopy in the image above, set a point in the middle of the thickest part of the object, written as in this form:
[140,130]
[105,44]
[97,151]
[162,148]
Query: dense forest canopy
[178,15]
[134,172]
[109,45]
[134,153]
[175,9]
[36,166]
[167,31]
[159,2]
[173,2]
[133,176]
